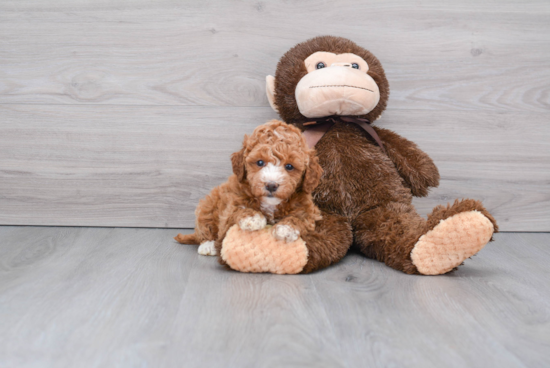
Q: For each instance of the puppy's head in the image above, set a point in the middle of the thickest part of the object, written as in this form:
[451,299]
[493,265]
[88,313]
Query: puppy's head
[276,162]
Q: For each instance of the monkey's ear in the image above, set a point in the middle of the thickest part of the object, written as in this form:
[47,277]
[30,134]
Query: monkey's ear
[237,162]
[270,91]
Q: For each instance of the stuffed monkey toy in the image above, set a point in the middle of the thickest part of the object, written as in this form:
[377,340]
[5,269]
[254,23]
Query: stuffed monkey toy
[332,89]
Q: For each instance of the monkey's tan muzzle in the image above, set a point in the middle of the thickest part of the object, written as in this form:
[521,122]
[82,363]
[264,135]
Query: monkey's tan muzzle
[336,90]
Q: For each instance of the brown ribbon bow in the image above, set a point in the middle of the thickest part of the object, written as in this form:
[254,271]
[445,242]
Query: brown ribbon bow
[317,127]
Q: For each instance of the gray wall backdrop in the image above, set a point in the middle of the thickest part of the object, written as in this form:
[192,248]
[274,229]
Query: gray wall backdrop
[124,113]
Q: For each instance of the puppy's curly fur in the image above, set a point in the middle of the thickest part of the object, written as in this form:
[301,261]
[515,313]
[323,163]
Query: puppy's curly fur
[274,175]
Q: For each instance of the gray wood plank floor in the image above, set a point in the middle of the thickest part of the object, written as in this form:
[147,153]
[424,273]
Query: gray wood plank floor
[123,297]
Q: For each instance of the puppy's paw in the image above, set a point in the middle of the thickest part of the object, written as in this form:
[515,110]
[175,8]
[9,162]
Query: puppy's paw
[253,223]
[286,233]
[207,248]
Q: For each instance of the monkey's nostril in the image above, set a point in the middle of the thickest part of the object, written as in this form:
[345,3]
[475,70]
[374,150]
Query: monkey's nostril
[271,187]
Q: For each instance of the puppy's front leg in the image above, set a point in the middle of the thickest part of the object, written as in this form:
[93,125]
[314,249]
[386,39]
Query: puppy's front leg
[285,232]
[290,228]
[246,218]
[251,220]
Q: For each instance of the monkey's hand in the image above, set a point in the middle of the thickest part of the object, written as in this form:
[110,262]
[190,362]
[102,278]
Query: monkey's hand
[414,166]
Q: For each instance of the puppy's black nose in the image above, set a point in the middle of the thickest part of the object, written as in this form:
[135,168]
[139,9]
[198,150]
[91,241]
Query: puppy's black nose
[271,187]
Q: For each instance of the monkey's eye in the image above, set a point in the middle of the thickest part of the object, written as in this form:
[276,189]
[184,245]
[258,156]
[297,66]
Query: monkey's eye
[289,167]
[320,65]
[355,66]
[260,163]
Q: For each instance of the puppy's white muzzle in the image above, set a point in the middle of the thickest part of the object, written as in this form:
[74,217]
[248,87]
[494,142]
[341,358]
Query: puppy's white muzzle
[272,177]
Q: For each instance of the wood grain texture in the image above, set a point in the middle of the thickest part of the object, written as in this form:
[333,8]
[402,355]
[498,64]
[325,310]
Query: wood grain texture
[460,55]
[140,166]
[98,297]
[117,165]
[117,113]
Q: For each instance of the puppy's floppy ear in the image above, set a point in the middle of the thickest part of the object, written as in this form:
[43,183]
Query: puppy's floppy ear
[237,161]
[313,173]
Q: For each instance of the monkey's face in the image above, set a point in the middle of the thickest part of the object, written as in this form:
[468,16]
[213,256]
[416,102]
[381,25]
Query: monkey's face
[326,76]
[336,85]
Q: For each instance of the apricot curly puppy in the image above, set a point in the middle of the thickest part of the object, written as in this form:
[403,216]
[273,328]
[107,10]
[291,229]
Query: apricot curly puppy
[274,175]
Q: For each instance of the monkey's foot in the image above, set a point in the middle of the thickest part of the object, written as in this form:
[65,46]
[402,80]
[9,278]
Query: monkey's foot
[259,251]
[450,242]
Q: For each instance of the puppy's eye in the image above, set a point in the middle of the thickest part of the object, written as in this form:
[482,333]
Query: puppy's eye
[260,163]
[289,167]
[320,65]
[355,66]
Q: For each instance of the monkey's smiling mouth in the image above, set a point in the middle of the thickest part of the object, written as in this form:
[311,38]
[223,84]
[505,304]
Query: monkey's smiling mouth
[342,85]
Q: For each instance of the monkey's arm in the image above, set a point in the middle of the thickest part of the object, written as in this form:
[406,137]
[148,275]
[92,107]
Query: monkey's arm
[415,166]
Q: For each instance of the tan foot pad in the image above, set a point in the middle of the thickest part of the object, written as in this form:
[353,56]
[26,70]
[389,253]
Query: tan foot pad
[258,251]
[450,242]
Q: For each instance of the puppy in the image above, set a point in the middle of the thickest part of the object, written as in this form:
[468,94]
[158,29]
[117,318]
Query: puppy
[274,174]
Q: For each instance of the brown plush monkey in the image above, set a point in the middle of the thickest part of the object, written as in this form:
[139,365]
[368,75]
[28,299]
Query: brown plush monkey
[331,89]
